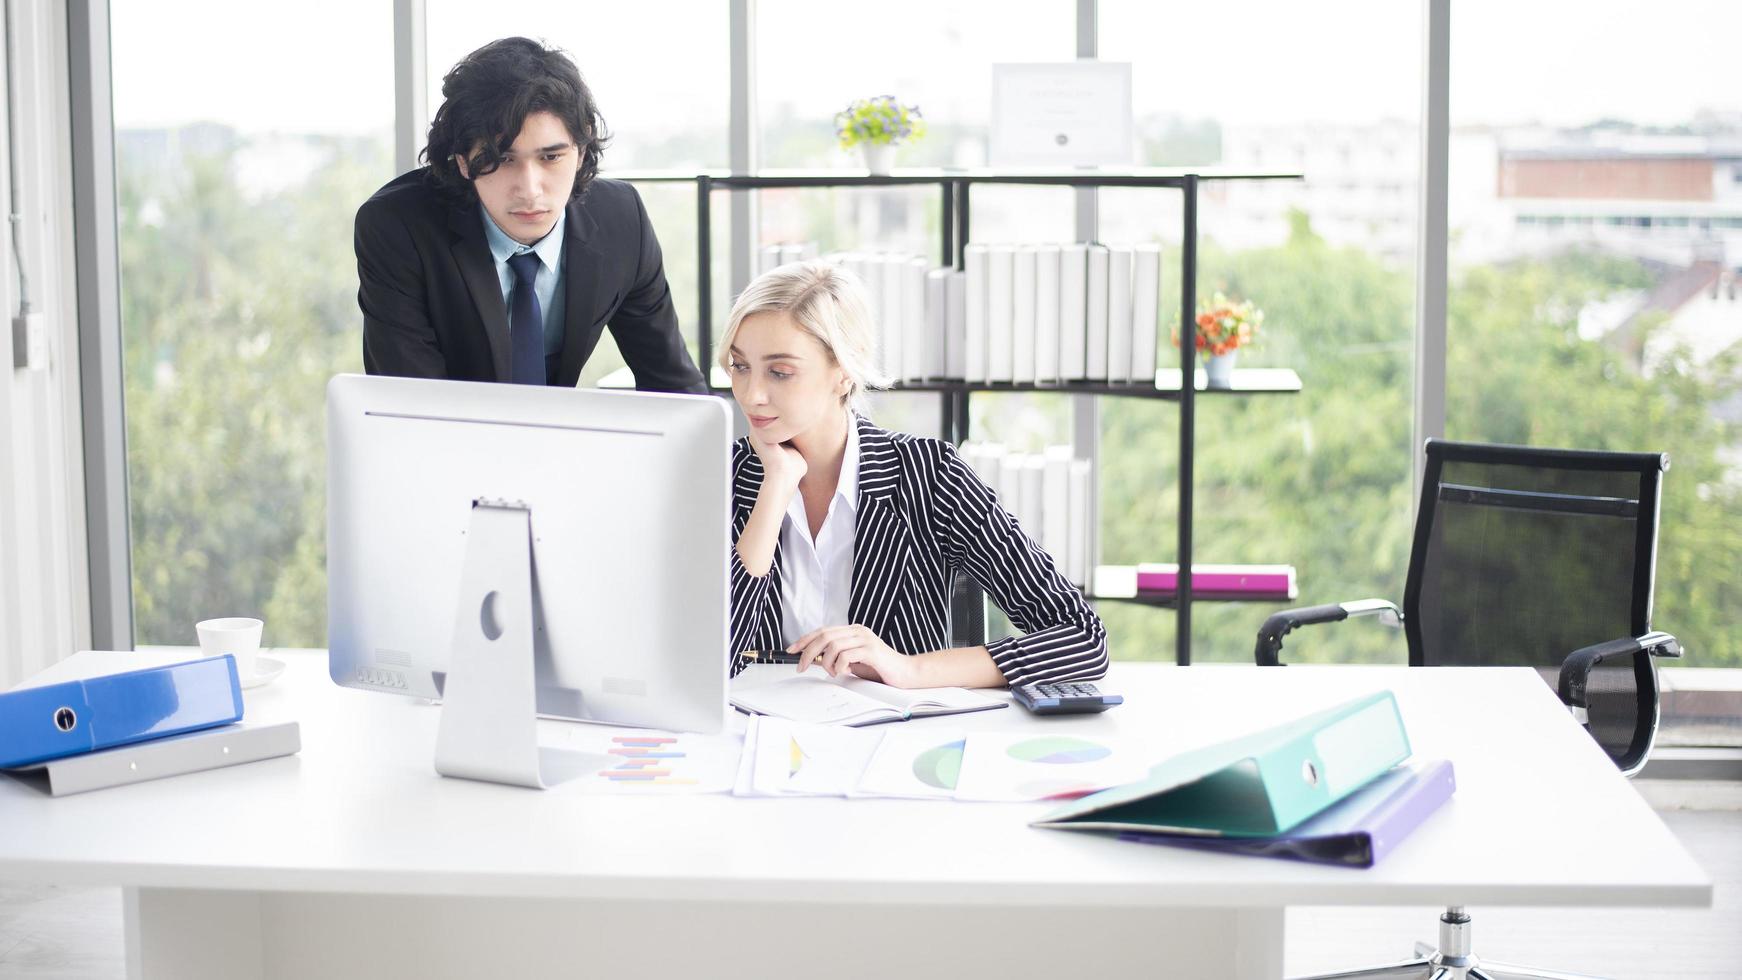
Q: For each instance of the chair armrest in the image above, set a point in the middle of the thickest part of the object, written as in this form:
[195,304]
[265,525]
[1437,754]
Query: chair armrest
[1576,669]
[1270,635]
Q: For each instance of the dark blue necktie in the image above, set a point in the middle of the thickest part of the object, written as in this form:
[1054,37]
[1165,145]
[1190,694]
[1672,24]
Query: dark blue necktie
[526,322]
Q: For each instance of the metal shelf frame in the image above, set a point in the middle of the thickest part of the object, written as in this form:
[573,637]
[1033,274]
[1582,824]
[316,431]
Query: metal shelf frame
[954,191]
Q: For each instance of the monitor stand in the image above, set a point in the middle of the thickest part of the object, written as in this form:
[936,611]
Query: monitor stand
[489,723]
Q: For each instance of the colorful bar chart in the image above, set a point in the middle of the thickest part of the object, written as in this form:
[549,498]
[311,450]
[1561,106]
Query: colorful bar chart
[641,762]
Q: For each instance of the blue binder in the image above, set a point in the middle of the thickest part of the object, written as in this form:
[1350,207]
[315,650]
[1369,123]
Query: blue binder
[59,720]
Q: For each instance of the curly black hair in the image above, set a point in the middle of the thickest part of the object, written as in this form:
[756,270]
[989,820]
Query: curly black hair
[486,99]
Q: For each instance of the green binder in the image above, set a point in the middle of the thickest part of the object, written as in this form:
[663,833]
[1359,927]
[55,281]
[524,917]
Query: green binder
[1257,785]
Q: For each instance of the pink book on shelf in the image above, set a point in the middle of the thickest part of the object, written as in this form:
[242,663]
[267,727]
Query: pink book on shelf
[1253,579]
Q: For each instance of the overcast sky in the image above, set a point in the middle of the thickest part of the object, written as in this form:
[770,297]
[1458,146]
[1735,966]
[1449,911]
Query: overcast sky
[326,65]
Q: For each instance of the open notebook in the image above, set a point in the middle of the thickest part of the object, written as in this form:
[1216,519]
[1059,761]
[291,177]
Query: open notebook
[815,698]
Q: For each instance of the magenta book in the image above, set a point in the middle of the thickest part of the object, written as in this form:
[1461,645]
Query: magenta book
[1252,579]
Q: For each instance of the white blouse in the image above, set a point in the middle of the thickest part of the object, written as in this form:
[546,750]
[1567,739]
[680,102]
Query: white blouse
[816,577]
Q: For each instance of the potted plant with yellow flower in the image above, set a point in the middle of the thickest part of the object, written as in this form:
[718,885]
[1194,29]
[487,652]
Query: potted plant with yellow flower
[877,126]
[1223,327]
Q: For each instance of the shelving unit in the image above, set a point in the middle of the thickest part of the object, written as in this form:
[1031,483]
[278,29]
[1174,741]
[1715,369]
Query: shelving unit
[954,189]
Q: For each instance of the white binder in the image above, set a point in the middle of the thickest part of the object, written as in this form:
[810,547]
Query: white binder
[892,307]
[956,324]
[1119,313]
[1000,314]
[1096,346]
[210,748]
[767,258]
[1145,300]
[1082,485]
[977,261]
[1023,317]
[1010,483]
[937,323]
[916,340]
[1073,312]
[1046,314]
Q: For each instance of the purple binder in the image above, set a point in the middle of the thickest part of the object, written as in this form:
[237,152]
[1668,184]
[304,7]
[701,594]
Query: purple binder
[1358,831]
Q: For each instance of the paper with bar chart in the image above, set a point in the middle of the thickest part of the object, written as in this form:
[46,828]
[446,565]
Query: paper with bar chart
[635,762]
[1009,767]
[793,759]
[914,764]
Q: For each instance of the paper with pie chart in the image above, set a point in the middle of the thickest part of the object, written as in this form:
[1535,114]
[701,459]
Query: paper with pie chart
[792,759]
[919,763]
[1010,767]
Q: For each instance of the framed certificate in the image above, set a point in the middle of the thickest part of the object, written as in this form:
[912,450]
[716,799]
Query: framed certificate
[1061,114]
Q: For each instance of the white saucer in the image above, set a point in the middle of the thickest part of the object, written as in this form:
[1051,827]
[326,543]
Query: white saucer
[266,670]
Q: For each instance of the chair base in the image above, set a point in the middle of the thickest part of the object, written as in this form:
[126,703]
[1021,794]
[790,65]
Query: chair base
[1451,960]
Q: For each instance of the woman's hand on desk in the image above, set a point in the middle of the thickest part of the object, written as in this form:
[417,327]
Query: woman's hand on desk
[855,649]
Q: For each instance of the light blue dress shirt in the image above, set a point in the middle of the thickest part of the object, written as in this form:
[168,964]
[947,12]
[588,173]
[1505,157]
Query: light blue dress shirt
[547,284]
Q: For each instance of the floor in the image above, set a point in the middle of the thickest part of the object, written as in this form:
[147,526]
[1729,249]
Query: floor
[53,933]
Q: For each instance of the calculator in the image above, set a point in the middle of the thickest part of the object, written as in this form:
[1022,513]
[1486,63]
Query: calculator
[1068,698]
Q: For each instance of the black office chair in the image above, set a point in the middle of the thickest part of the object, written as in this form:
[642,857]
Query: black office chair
[967,612]
[1529,557]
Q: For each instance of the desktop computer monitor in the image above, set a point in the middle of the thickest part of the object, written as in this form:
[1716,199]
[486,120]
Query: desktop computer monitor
[626,497]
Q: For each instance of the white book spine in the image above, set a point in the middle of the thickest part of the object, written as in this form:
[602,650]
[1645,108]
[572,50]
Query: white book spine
[859,265]
[1000,312]
[916,338]
[956,334]
[937,322]
[767,258]
[1023,316]
[856,263]
[1096,369]
[1033,515]
[1073,311]
[890,269]
[1010,483]
[1082,485]
[977,260]
[1145,305]
[1055,527]
[989,463]
[1046,314]
[1119,313]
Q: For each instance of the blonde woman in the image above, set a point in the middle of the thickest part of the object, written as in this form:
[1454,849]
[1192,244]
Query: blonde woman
[847,536]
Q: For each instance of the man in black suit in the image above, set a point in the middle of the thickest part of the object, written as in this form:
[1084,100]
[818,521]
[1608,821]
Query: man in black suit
[504,256]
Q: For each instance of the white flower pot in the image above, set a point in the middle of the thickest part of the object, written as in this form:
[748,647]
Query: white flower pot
[878,157]
[1219,370]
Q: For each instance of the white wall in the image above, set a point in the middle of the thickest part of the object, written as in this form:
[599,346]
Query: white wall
[44,604]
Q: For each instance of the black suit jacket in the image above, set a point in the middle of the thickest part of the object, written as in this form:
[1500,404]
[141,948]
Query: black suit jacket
[432,303]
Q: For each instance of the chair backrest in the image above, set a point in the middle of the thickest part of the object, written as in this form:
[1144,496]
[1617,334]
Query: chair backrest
[1524,555]
[967,612]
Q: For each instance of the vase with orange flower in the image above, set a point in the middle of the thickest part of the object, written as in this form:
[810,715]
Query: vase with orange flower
[1223,327]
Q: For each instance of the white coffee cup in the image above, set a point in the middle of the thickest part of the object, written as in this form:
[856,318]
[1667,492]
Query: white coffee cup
[236,636]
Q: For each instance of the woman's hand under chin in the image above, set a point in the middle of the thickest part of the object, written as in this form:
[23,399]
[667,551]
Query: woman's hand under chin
[782,465]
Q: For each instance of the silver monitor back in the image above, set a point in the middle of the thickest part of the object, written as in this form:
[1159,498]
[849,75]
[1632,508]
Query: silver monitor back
[629,499]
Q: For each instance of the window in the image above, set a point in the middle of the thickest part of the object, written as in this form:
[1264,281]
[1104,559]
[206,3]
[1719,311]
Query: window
[1319,480]
[1609,334]
[239,173]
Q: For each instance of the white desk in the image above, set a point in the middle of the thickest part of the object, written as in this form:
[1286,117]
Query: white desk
[355,859]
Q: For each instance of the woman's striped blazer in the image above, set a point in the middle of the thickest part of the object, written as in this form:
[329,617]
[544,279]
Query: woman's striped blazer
[923,515]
